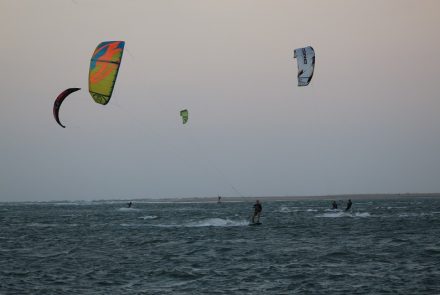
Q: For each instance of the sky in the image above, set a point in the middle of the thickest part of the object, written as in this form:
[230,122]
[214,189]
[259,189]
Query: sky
[367,123]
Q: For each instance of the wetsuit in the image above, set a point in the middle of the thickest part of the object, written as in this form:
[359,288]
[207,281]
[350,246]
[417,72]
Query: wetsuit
[257,211]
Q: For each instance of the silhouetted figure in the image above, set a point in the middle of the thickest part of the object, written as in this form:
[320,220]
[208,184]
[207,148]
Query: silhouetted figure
[348,205]
[334,205]
[257,211]
[129,204]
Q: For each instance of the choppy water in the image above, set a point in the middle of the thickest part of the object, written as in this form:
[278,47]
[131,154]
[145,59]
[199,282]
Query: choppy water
[382,247]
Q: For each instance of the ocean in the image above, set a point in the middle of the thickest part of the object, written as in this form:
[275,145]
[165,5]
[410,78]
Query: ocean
[388,246]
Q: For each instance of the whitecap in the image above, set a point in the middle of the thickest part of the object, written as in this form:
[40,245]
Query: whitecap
[344,214]
[333,210]
[217,222]
[148,217]
[284,209]
[362,214]
[333,214]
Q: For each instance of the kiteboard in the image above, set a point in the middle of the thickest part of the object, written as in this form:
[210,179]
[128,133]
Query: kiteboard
[255,223]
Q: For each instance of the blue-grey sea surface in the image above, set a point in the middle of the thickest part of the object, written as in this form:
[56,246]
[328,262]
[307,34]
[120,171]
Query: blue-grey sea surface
[389,246]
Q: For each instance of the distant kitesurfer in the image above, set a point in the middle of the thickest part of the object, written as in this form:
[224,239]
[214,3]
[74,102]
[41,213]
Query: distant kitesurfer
[257,211]
[349,203]
[219,199]
[129,204]
[334,205]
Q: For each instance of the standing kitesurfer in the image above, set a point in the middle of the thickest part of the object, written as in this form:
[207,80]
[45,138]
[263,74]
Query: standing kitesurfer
[348,205]
[257,211]
[129,204]
[334,205]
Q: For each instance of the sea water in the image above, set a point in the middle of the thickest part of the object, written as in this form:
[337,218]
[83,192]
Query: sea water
[302,247]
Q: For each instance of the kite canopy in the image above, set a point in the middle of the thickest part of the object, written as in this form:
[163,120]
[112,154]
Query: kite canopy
[104,67]
[306,64]
[184,115]
[59,100]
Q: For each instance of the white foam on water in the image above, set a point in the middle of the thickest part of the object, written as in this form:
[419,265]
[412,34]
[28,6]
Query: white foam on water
[131,224]
[148,217]
[343,214]
[332,214]
[284,209]
[312,210]
[362,214]
[217,222]
[333,210]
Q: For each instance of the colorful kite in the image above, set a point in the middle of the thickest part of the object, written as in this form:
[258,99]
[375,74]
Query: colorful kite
[104,67]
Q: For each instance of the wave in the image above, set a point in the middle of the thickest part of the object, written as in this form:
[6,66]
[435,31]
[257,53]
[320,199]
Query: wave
[284,209]
[132,224]
[410,214]
[215,222]
[37,224]
[343,214]
[148,217]
[333,210]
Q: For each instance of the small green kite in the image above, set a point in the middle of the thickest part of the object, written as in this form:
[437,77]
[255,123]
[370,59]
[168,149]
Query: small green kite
[184,115]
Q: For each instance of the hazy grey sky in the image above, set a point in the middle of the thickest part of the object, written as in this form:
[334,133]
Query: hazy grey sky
[368,122]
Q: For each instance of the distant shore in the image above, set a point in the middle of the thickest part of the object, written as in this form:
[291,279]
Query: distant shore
[251,198]
[300,198]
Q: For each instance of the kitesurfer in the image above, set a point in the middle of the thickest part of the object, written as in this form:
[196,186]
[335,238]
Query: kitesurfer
[349,203]
[334,205]
[219,200]
[257,211]
[129,204]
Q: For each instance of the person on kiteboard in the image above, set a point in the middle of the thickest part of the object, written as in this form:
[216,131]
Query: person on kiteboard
[257,211]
